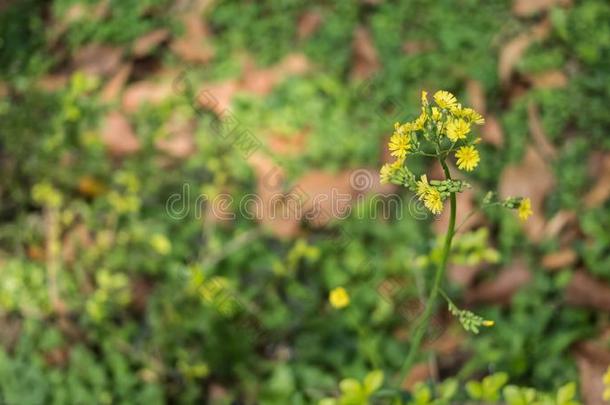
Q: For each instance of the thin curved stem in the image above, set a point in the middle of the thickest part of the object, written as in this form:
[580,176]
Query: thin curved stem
[422,324]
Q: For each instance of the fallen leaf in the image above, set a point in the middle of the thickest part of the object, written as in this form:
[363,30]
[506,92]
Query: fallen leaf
[270,207]
[179,142]
[600,192]
[329,196]
[476,96]
[528,8]
[143,92]
[501,288]
[365,60]
[587,291]
[538,134]
[118,136]
[592,363]
[511,52]
[420,372]
[308,24]
[262,81]
[217,97]
[463,275]
[98,59]
[492,132]
[195,45]
[149,41]
[560,259]
[115,85]
[53,82]
[531,178]
[556,224]
[553,79]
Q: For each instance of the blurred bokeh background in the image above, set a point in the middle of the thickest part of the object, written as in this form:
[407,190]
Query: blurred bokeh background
[146,146]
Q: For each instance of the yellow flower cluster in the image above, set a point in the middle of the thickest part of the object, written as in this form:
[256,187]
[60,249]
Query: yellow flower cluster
[443,128]
[446,126]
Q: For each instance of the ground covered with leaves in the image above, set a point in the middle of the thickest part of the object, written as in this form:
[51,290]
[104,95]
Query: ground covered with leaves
[131,133]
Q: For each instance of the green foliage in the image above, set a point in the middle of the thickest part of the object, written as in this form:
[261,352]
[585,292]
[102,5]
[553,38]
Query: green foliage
[158,310]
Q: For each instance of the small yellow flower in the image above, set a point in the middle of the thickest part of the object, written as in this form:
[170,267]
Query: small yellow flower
[399,145]
[339,298]
[444,99]
[436,114]
[424,98]
[467,158]
[525,209]
[457,129]
[472,116]
[488,323]
[433,201]
[422,187]
[388,170]
[420,122]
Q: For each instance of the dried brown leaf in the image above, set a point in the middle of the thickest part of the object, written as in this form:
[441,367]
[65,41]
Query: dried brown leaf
[531,178]
[118,136]
[592,364]
[560,259]
[179,142]
[538,134]
[308,24]
[98,59]
[513,50]
[501,288]
[195,45]
[149,41]
[587,291]
[600,170]
[492,132]
[142,92]
[365,60]
[262,81]
[217,97]
[476,96]
[552,79]
[115,85]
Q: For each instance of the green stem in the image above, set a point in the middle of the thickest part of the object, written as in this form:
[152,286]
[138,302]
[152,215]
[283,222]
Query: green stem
[424,320]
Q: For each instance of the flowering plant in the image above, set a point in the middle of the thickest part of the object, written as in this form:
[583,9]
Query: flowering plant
[442,129]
